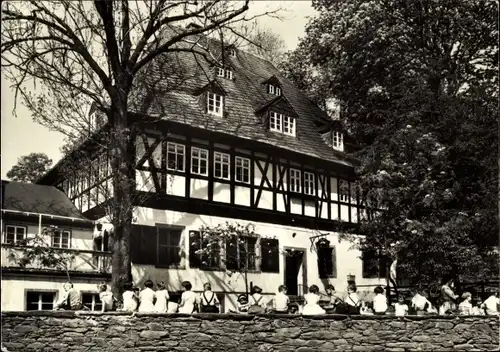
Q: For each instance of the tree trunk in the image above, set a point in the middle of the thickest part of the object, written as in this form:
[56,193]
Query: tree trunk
[122,164]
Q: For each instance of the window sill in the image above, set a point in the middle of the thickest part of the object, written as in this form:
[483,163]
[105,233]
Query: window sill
[164,266]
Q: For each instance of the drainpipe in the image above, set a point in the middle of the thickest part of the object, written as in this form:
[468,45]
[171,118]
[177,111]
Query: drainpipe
[40,225]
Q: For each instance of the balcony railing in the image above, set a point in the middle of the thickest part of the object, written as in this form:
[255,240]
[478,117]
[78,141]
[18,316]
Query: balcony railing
[75,260]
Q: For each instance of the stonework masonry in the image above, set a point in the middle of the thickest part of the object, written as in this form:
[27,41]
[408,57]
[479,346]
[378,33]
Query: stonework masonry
[92,331]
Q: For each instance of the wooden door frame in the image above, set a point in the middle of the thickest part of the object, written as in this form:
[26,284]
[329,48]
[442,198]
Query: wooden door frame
[304,265]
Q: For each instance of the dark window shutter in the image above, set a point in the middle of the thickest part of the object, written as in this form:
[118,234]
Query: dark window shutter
[232,253]
[270,256]
[143,244]
[325,259]
[370,264]
[195,243]
[334,263]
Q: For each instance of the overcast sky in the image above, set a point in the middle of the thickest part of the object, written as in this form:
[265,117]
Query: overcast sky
[21,136]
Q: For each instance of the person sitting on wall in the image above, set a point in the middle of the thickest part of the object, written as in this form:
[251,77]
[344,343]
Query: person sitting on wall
[147,298]
[333,300]
[465,306]
[352,300]
[419,303]
[209,303]
[256,300]
[491,304]
[476,306]
[379,301]
[130,300]
[448,297]
[106,298]
[189,300]
[71,298]
[280,301]
[162,297]
[311,299]
[400,307]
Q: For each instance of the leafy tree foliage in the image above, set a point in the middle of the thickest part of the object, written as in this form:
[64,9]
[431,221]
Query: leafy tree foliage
[417,87]
[30,168]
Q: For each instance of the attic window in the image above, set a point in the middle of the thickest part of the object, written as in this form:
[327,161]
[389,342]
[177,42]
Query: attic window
[272,89]
[215,104]
[225,73]
[232,52]
[281,123]
[338,140]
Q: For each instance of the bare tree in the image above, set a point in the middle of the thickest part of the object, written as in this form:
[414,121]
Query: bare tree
[267,44]
[79,53]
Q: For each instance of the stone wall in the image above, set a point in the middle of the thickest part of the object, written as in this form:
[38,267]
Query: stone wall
[90,331]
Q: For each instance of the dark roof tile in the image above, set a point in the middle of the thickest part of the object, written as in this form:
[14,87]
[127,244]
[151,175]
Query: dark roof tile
[35,198]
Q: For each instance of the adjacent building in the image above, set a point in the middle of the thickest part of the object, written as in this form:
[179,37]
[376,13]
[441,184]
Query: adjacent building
[44,217]
[237,143]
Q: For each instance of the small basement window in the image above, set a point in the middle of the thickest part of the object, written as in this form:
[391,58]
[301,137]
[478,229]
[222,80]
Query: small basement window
[215,104]
[338,140]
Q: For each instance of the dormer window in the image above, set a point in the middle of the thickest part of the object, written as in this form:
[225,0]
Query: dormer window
[215,104]
[272,89]
[232,52]
[338,140]
[281,123]
[225,73]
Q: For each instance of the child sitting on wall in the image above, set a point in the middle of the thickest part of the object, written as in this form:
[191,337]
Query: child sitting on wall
[281,301]
[106,298]
[379,301]
[147,297]
[129,298]
[400,307]
[465,307]
[162,297]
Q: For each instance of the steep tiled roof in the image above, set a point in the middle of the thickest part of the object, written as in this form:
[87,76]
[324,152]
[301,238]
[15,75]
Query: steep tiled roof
[175,100]
[34,198]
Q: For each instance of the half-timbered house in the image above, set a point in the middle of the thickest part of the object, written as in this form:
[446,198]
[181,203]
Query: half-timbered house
[236,143]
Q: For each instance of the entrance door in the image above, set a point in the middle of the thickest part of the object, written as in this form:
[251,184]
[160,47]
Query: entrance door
[295,271]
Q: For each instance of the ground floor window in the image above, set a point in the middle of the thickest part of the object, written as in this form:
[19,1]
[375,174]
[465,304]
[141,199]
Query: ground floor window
[40,300]
[92,301]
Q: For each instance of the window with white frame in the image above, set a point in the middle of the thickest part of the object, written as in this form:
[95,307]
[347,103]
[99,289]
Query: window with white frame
[242,170]
[175,156]
[282,123]
[92,301]
[224,73]
[14,234]
[36,300]
[232,52]
[221,165]
[199,161]
[215,104]
[309,183]
[274,90]
[338,140]
[343,191]
[61,239]
[295,182]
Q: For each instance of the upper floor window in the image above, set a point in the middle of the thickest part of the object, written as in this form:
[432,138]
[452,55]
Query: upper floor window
[199,161]
[295,182]
[61,239]
[242,170]
[215,104]
[343,191]
[232,52]
[338,140]
[221,165]
[282,123]
[272,89]
[309,183]
[225,73]
[175,156]
[14,234]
